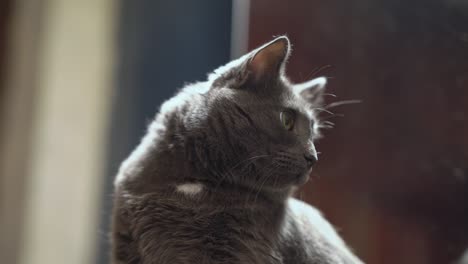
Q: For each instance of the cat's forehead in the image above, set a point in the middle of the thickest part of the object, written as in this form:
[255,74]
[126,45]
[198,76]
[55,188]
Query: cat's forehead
[280,97]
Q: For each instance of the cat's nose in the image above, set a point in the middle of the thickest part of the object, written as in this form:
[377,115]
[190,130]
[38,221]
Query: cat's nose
[311,158]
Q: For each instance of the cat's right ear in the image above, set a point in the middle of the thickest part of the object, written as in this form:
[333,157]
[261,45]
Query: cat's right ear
[268,61]
[260,66]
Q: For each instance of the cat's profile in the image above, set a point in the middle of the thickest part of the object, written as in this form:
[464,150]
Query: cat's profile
[211,182]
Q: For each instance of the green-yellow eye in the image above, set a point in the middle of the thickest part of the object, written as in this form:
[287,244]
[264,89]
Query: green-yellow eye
[287,119]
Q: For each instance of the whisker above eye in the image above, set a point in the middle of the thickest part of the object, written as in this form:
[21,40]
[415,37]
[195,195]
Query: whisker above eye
[318,70]
[345,102]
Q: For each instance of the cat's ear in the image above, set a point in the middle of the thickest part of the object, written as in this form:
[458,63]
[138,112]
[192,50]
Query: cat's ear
[257,67]
[312,91]
[267,62]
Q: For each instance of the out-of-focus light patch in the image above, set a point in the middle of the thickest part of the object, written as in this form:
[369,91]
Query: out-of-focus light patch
[239,27]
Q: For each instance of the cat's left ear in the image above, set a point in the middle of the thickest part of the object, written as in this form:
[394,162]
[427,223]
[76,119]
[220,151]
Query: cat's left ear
[312,91]
[268,61]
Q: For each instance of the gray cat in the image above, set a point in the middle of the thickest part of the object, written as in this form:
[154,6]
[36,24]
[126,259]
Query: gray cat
[211,182]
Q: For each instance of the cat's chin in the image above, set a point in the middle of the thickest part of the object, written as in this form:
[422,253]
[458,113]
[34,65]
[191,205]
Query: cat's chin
[296,180]
[302,178]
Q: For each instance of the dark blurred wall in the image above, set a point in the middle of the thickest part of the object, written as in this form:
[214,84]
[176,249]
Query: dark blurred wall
[5,17]
[162,45]
[393,175]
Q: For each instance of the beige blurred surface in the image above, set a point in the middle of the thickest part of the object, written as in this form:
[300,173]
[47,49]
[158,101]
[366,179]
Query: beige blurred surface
[57,98]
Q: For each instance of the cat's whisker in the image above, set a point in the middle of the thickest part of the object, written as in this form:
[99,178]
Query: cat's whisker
[275,166]
[326,126]
[328,123]
[345,102]
[263,169]
[330,94]
[317,70]
[227,173]
[250,159]
[323,110]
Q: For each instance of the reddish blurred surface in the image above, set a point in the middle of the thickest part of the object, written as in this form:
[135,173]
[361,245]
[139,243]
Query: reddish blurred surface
[393,176]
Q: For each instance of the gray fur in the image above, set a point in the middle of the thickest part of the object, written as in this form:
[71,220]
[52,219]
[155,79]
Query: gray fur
[226,136]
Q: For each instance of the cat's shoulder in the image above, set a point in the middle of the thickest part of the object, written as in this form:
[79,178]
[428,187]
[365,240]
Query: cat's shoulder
[306,227]
[309,216]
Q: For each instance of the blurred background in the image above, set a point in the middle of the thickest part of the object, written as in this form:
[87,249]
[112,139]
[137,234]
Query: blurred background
[80,81]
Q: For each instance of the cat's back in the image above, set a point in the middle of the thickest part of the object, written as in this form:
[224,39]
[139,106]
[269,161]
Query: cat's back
[307,237]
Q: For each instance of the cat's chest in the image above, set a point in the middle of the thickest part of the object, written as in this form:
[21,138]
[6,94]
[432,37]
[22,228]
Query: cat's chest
[204,235]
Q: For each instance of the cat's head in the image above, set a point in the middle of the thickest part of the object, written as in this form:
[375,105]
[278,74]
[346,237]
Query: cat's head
[255,128]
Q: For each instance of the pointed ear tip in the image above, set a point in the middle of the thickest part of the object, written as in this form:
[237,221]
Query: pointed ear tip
[321,81]
[284,40]
[317,85]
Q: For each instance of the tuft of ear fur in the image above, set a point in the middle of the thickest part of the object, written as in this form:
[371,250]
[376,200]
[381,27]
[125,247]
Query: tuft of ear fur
[268,61]
[312,91]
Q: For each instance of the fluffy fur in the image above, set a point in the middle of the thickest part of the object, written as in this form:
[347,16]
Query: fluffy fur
[211,181]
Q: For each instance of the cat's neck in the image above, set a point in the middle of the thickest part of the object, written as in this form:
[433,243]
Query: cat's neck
[165,172]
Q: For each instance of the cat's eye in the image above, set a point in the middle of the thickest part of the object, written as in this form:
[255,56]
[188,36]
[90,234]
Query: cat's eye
[287,119]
